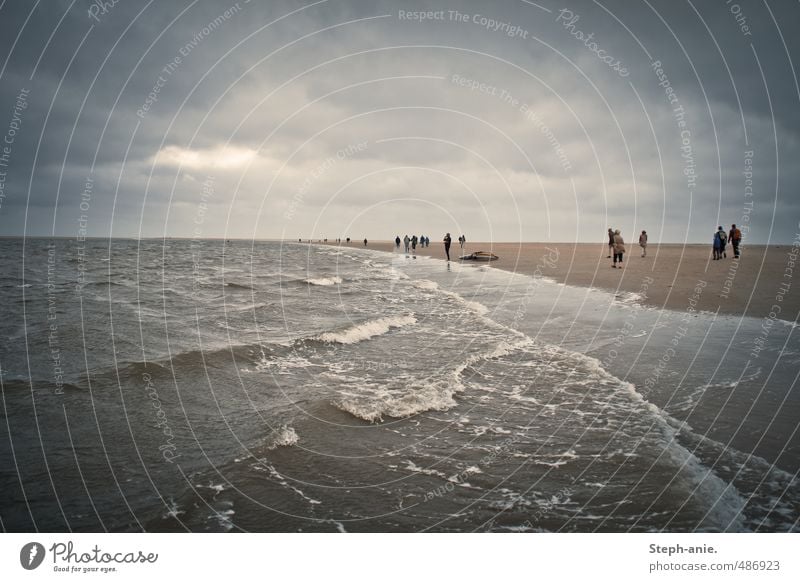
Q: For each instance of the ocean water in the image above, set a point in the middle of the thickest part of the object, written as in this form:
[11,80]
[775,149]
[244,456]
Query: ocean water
[236,386]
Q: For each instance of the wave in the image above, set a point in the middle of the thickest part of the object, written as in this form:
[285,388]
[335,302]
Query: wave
[324,281]
[412,396]
[367,330]
[727,505]
[478,308]
[285,436]
[238,286]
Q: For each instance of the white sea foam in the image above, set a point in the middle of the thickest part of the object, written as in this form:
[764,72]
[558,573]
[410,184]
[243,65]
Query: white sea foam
[478,308]
[372,405]
[629,297]
[324,281]
[368,329]
[411,466]
[285,436]
[173,511]
[407,396]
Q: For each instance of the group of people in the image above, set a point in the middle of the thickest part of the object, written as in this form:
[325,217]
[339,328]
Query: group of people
[412,242]
[616,246]
[721,240]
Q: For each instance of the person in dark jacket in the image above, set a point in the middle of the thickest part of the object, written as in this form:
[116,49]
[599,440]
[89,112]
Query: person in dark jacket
[447,241]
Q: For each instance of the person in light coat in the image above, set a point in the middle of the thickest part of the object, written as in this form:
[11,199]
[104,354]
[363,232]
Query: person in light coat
[619,249]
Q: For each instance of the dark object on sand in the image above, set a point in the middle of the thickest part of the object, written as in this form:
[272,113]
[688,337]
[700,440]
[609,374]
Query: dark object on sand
[479,256]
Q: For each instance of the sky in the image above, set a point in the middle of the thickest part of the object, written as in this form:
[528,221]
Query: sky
[505,121]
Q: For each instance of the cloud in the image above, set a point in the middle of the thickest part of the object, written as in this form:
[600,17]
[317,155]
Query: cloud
[222,158]
[545,141]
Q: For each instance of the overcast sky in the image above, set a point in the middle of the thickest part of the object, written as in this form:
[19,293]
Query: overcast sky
[507,121]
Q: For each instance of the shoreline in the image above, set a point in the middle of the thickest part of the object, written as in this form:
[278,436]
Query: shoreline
[676,277]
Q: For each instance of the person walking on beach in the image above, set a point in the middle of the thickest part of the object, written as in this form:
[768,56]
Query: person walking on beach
[365,242]
[397,241]
[414,244]
[406,242]
[447,241]
[610,243]
[619,249]
[735,236]
[718,243]
[462,239]
[643,242]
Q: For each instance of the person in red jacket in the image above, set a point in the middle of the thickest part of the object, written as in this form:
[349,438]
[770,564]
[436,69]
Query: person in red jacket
[735,237]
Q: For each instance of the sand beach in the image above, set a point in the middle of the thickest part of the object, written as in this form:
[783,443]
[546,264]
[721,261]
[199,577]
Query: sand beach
[672,274]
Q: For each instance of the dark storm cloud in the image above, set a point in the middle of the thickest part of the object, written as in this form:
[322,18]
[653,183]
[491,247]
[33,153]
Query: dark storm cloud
[507,109]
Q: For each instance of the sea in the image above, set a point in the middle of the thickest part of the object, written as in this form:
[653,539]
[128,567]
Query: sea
[213,385]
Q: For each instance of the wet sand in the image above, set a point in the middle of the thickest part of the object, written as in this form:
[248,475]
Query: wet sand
[673,276]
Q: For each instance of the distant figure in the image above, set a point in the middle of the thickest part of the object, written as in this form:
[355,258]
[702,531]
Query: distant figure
[610,243]
[365,242]
[406,242]
[619,249]
[299,240]
[447,241]
[462,239]
[735,236]
[427,241]
[643,242]
[348,240]
[720,242]
[397,241]
[414,243]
